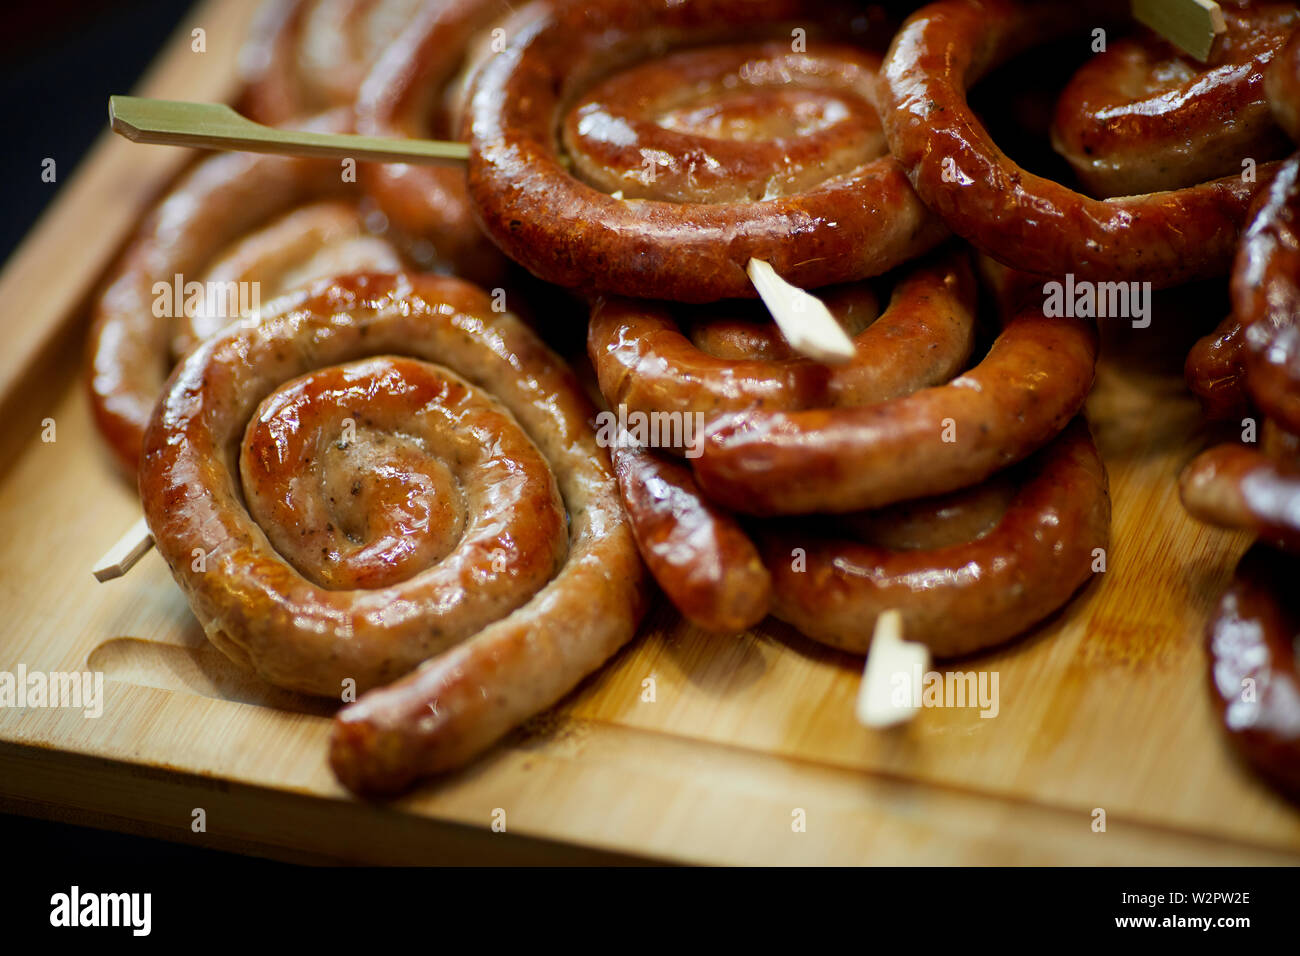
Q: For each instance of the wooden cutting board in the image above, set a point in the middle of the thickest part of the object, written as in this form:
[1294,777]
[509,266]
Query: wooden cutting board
[1104,707]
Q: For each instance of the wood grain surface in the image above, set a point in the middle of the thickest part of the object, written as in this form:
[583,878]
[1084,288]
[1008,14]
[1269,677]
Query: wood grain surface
[1104,707]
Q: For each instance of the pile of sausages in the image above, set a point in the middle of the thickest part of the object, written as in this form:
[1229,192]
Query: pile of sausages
[395,485]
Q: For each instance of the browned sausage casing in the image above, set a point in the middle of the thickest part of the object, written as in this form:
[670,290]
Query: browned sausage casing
[1033,380]
[646,362]
[1214,371]
[703,560]
[1254,676]
[1144,116]
[612,148]
[304,56]
[1028,222]
[444,510]
[414,92]
[956,596]
[194,231]
[1283,86]
[1266,297]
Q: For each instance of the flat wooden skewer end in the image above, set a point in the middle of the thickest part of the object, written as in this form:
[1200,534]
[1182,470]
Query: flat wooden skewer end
[803,319]
[1190,25]
[120,558]
[217,126]
[890,661]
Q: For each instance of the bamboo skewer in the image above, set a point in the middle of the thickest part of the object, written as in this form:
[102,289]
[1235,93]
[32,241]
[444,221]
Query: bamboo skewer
[217,126]
[121,557]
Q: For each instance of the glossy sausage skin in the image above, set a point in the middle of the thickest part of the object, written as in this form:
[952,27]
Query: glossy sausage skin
[1025,221]
[412,93]
[546,216]
[1266,297]
[492,655]
[965,595]
[1144,116]
[1215,371]
[219,201]
[1283,86]
[645,361]
[364,475]
[1254,676]
[1033,380]
[703,560]
[1234,486]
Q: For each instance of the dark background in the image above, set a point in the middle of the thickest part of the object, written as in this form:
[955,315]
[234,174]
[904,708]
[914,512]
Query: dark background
[59,61]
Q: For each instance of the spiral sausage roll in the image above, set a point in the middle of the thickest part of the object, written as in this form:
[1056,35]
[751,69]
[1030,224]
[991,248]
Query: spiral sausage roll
[416,90]
[306,56]
[652,149]
[383,477]
[269,222]
[1036,225]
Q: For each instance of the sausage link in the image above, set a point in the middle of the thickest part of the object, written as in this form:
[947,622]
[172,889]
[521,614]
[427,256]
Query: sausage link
[407,392]
[1253,673]
[925,336]
[217,203]
[703,560]
[1266,298]
[1032,382]
[1232,486]
[1282,84]
[306,56]
[542,196]
[959,596]
[1028,222]
[414,92]
[1214,371]
[1144,116]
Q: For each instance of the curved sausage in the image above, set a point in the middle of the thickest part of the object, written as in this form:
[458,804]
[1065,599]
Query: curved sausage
[1233,486]
[956,593]
[310,242]
[414,92]
[1144,116]
[925,336]
[1215,371]
[1282,84]
[702,166]
[1254,677]
[218,202]
[1033,380]
[702,559]
[1028,222]
[306,56]
[1266,297]
[453,457]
